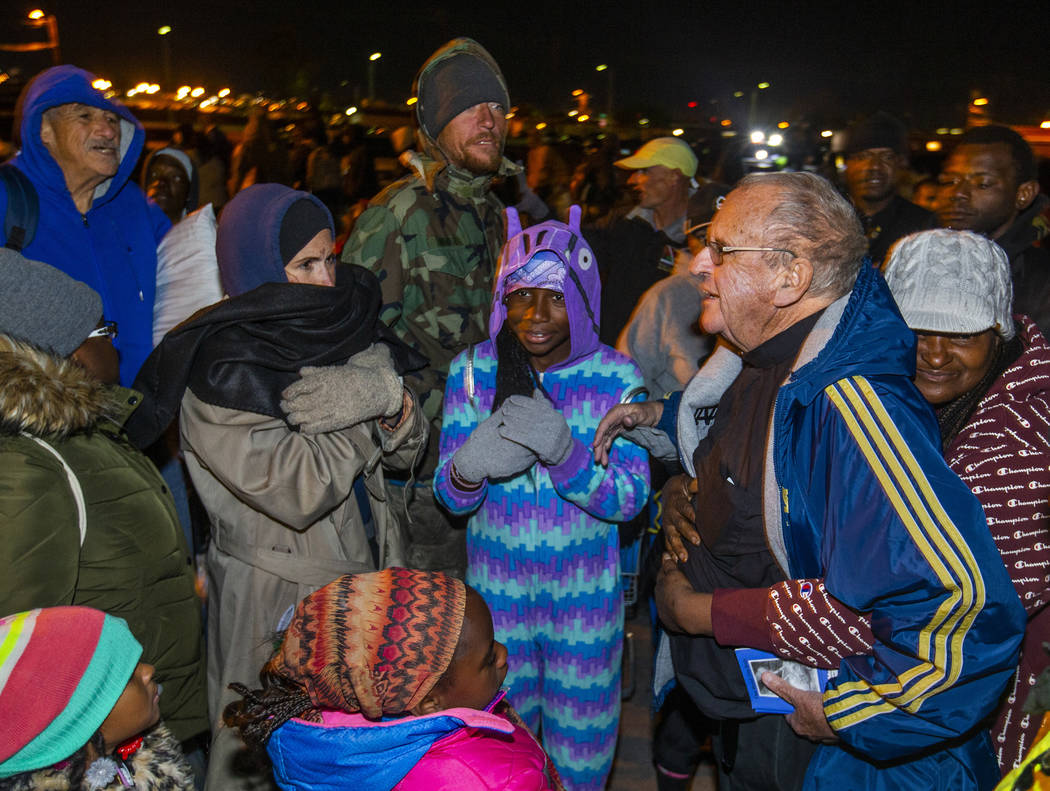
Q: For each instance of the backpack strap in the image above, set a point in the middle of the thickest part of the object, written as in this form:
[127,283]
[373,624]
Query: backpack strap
[23,208]
[74,485]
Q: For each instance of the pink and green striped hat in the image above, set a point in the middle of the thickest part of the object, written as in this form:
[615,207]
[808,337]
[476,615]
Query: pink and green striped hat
[62,670]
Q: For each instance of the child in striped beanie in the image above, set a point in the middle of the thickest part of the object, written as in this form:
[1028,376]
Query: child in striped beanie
[74,699]
[391,680]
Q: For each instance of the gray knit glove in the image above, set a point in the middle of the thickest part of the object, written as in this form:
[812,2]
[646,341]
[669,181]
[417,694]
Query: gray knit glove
[535,423]
[486,454]
[338,396]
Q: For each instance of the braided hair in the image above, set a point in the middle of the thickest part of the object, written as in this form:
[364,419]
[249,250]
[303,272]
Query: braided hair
[262,711]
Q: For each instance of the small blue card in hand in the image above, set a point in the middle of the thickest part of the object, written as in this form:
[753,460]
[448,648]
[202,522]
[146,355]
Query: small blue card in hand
[753,663]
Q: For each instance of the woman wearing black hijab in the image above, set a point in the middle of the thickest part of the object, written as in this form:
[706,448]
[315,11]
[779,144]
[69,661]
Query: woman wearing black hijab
[293,487]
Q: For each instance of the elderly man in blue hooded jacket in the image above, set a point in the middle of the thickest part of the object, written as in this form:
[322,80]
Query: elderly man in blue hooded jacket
[79,149]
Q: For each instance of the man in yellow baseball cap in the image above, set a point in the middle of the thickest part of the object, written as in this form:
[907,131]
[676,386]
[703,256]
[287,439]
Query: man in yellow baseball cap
[637,248]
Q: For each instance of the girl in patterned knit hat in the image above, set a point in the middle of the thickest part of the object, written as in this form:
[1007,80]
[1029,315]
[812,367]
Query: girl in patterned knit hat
[391,680]
[78,708]
[542,538]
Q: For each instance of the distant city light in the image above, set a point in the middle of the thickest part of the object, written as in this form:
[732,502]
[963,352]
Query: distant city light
[980,102]
[643,122]
[601,67]
[1045,125]
[775,139]
[763,85]
[758,136]
[955,131]
[101,84]
[678,132]
[375,56]
[933,145]
[783,125]
[942,130]
[224,93]
[36,13]
[826,133]
[582,118]
[351,110]
[738,94]
[578,92]
[573,113]
[727,122]
[183,92]
[761,154]
[163,30]
[411,100]
[197,92]
[541,126]
[152,88]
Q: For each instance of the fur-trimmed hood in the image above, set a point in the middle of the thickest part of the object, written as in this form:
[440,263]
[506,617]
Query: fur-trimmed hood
[49,396]
[158,765]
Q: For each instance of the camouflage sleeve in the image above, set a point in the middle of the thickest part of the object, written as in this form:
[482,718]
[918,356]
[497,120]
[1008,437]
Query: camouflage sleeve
[377,245]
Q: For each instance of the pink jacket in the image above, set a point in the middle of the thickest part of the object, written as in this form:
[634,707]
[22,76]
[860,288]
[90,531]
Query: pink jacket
[477,757]
[452,750]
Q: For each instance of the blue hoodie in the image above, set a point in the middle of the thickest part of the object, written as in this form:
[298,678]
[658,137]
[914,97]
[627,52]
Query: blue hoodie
[113,247]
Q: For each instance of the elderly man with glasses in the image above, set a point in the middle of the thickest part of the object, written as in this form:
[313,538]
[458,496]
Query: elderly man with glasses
[810,453]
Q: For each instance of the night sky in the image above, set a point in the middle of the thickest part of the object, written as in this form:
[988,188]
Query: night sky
[826,62]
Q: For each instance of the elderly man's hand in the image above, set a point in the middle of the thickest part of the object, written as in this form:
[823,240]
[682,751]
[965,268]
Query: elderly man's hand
[807,720]
[621,418]
[681,608]
[679,515]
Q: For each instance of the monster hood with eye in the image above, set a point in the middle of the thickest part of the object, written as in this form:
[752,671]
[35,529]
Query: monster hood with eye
[582,284]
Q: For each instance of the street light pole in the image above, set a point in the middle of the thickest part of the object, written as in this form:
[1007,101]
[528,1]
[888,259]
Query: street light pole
[52,38]
[165,51]
[609,92]
[372,75]
[37,18]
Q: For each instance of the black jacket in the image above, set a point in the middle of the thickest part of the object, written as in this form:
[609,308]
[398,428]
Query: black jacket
[900,218]
[1030,264]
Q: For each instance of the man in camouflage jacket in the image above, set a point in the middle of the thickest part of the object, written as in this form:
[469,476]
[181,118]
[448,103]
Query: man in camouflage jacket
[433,238]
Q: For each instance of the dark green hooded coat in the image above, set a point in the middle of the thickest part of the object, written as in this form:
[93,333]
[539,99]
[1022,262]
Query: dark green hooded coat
[132,561]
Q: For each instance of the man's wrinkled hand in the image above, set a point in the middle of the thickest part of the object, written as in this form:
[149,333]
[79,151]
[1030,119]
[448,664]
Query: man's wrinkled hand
[681,608]
[807,720]
[679,515]
[622,418]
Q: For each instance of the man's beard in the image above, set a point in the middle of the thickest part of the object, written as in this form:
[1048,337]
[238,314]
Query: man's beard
[482,163]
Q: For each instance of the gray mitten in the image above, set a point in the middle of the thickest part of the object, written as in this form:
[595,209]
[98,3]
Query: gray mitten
[535,423]
[486,454]
[338,396]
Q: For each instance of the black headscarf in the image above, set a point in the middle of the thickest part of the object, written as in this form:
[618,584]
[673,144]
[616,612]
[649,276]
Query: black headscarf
[243,352]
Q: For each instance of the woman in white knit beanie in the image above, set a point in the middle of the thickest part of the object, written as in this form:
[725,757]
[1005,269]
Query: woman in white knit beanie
[987,375]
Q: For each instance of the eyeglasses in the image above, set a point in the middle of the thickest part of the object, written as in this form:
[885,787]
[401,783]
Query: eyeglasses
[699,230]
[718,250]
[107,330]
